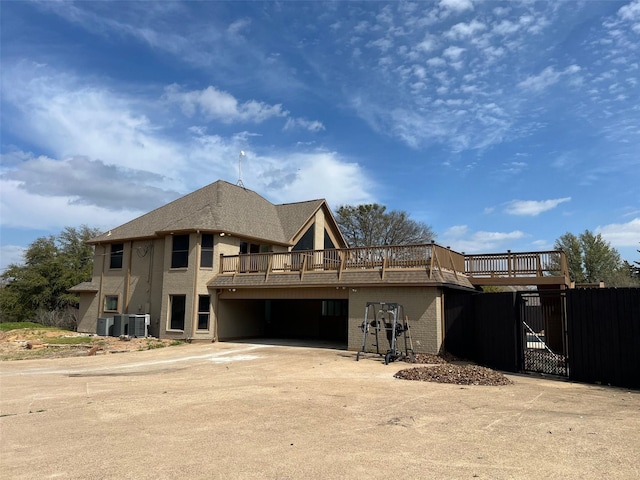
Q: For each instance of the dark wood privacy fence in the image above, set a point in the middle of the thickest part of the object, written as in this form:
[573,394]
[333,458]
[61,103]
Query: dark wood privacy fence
[604,335]
[483,328]
[600,342]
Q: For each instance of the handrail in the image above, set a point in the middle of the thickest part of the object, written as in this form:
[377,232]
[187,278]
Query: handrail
[517,264]
[431,257]
[358,258]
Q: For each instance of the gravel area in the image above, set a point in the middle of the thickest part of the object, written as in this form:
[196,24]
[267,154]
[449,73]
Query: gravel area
[456,374]
[425,358]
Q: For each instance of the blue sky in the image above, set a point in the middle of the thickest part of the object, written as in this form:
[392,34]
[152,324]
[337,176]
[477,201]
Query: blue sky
[503,125]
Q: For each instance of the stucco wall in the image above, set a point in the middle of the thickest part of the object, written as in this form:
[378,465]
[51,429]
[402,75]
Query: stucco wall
[141,277]
[88,313]
[421,304]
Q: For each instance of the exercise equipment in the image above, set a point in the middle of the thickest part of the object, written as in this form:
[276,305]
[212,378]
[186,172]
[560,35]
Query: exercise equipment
[385,320]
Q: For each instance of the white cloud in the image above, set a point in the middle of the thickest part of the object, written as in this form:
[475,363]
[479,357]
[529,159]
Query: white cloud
[10,254]
[513,167]
[89,182]
[311,125]
[630,11]
[112,156]
[436,62]
[453,52]
[24,209]
[218,105]
[428,44]
[456,5]
[305,176]
[506,27]
[463,30]
[462,239]
[542,245]
[622,234]
[533,207]
[236,27]
[384,44]
[67,117]
[546,78]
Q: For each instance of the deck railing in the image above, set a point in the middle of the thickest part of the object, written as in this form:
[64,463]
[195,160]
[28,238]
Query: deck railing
[516,265]
[431,257]
[428,256]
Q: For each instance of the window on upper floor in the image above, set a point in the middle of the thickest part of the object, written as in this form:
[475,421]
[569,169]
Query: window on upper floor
[206,250]
[249,248]
[180,251]
[117,253]
[328,243]
[306,241]
[253,263]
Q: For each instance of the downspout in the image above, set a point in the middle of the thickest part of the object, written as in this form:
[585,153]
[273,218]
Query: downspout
[128,279]
[194,303]
[150,277]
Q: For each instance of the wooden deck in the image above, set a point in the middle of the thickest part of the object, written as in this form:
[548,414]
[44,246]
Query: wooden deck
[511,268]
[518,268]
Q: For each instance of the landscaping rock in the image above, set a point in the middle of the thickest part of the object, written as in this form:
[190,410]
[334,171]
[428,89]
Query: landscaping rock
[456,374]
[425,358]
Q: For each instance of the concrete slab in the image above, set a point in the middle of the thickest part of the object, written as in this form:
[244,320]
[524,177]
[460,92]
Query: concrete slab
[255,411]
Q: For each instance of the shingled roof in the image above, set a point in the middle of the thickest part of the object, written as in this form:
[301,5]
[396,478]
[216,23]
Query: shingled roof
[220,207]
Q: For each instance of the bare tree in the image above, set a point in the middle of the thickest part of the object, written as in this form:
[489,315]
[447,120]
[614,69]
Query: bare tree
[371,224]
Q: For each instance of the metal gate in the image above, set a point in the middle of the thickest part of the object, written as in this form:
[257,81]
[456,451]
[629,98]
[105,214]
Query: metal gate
[543,332]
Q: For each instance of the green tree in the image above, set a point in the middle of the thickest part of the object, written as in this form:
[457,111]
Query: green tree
[590,258]
[51,266]
[572,247]
[371,224]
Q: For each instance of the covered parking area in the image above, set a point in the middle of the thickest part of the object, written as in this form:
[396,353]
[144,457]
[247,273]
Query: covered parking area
[316,314]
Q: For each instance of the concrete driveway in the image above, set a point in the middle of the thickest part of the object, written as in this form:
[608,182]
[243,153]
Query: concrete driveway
[255,411]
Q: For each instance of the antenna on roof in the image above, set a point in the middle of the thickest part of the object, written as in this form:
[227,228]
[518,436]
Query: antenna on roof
[240,184]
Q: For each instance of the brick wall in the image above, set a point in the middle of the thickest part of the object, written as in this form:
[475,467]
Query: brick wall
[421,304]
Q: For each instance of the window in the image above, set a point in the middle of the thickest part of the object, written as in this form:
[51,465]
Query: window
[306,242]
[110,303]
[206,251]
[328,244]
[253,263]
[177,305]
[117,252]
[203,312]
[249,248]
[180,251]
[334,308]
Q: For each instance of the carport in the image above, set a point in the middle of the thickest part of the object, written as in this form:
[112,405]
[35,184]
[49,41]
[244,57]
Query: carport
[274,313]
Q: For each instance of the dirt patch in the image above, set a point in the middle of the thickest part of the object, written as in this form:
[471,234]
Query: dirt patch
[32,343]
[456,374]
